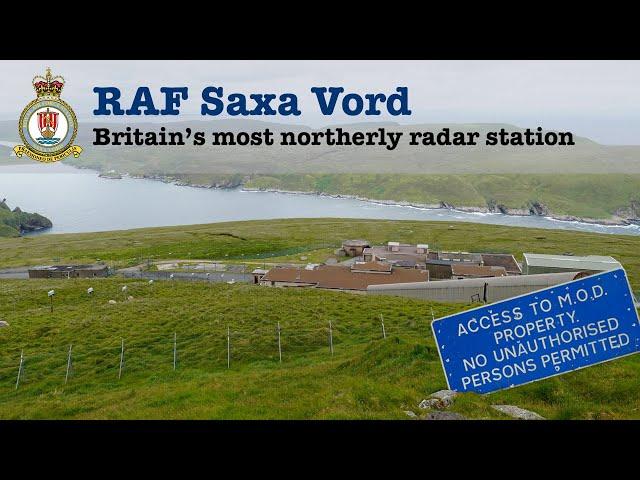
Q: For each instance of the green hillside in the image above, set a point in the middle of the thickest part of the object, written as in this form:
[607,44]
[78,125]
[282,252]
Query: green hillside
[585,156]
[272,239]
[584,195]
[367,377]
[13,222]
[587,180]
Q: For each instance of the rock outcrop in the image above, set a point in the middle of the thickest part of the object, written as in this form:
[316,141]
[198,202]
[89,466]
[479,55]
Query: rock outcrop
[538,208]
[630,212]
[15,222]
[440,400]
[29,222]
[517,412]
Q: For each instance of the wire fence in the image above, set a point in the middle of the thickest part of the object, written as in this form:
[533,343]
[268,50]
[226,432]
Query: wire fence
[164,352]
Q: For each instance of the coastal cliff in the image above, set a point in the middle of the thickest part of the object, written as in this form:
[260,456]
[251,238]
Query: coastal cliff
[15,222]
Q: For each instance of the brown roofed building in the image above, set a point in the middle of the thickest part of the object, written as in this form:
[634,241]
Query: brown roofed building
[337,277]
[502,260]
[438,269]
[463,270]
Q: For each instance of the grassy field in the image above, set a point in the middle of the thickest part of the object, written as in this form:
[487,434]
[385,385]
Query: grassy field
[276,239]
[367,378]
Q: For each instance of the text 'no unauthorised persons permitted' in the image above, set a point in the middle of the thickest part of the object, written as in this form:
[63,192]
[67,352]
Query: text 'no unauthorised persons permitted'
[539,335]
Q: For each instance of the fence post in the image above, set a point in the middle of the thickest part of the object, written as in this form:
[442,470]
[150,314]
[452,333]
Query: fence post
[66,377]
[121,360]
[20,368]
[330,337]
[279,343]
[175,346]
[384,333]
[228,347]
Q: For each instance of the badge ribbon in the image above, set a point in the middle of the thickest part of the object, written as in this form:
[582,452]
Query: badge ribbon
[74,150]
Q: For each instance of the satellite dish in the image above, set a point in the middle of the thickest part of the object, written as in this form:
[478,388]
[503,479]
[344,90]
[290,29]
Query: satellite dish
[51,293]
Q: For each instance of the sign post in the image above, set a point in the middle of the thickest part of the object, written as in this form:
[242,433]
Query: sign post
[175,347]
[121,360]
[50,294]
[228,347]
[330,337]
[20,368]
[66,377]
[539,335]
[279,344]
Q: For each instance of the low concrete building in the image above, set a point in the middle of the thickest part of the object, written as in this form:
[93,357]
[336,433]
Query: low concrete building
[465,257]
[541,263]
[258,274]
[398,254]
[69,271]
[353,248]
[471,290]
[357,277]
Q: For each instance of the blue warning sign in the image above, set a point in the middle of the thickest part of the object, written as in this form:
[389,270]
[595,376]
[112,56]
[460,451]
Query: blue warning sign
[540,334]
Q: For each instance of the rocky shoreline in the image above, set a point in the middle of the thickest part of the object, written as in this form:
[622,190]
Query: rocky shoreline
[624,218]
[534,209]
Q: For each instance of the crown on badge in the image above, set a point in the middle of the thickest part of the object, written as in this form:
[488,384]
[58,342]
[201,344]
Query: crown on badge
[48,86]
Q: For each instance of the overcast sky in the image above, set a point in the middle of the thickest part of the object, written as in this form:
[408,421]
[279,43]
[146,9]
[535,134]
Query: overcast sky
[596,99]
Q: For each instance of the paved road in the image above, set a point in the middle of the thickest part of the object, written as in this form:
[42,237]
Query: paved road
[19,272]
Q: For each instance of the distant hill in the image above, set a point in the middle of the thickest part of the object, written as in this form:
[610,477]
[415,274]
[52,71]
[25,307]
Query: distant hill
[14,222]
[584,157]
[5,153]
[587,180]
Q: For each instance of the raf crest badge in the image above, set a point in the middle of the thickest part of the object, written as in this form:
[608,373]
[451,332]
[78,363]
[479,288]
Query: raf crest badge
[48,126]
